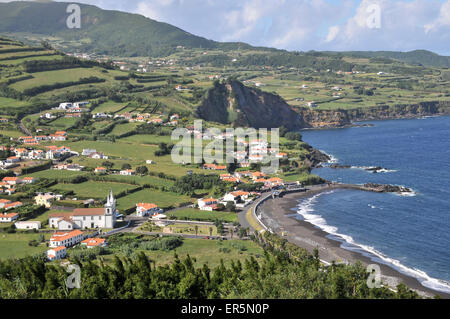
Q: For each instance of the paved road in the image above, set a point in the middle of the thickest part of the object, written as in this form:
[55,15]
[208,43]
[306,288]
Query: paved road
[24,128]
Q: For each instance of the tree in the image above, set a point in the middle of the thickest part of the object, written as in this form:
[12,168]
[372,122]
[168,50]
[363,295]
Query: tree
[294,136]
[230,207]
[126,166]
[108,164]
[142,170]
[196,230]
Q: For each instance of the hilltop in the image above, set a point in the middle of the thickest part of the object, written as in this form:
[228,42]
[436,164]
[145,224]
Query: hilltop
[103,31]
[418,57]
[115,33]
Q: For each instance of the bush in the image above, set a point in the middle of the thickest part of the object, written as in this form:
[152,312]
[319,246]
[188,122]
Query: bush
[166,243]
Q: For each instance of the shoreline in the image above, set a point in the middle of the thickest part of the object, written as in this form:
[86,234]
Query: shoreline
[280,216]
[359,122]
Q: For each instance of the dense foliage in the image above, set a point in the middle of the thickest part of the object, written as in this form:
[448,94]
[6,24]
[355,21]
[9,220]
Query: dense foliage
[283,272]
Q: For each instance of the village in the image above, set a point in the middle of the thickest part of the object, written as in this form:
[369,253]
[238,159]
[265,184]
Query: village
[88,225]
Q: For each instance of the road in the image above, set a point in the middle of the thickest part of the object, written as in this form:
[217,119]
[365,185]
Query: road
[24,129]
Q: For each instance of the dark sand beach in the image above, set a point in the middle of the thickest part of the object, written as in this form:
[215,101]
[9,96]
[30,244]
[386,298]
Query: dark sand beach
[279,216]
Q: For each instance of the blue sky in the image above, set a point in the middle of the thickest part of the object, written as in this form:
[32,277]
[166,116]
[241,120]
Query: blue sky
[303,25]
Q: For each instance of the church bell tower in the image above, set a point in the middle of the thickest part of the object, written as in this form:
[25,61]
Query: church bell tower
[110,211]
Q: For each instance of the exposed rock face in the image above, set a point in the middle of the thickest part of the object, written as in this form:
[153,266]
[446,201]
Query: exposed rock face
[387,188]
[315,158]
[339,166]
[234,103]
[324,118]
[340,118]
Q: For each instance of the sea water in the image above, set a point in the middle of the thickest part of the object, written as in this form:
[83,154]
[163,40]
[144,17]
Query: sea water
[410,232]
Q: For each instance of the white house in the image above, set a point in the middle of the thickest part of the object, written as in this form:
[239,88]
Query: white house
[8,218]
[57,253]
[88,152]
[3,202]
[147,209]
[86,218]
[281,155]
[29,224]
[94,242]
[208,204]
[98,156]
[66,239]
[127,172]
[234,196]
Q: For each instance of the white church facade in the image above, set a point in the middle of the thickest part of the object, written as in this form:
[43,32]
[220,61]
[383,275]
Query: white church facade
[86,218]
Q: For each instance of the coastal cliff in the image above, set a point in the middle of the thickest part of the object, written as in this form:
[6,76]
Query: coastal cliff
[340,118]
[232,102]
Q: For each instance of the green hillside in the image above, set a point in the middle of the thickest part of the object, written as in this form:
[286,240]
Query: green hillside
[420,57]
[102,31]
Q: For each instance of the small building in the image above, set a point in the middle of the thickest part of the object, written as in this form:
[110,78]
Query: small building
[127,172]
[44,200]
[12,205]
[208,204]
[28,180]
[94,242]
[282,155]
[29,224]
[3,202]
[100,170]
[57,253]
[8,218]
[11,180]
[66,239]
[147,209]
[88,152]
[234,196]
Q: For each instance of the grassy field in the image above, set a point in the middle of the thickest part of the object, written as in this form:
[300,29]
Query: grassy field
[16,245]
[56,76]
[109,107]
[162,199]
[142,180]
[92,189]
[54,173]
[6,102]
[64,122]
[196,214]
[123,128]
[205,251]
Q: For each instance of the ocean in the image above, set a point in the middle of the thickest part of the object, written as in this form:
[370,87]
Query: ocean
[409,233]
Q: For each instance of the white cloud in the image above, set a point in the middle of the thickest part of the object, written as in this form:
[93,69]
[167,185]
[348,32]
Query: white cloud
[332,33]
[442,20]
[403,27]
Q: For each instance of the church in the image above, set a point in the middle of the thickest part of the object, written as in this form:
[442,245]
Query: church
[86,218]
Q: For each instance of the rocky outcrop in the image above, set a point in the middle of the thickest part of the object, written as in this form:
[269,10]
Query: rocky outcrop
[324,118]
[387,188]
[315,158]
[341,118]
[234,103]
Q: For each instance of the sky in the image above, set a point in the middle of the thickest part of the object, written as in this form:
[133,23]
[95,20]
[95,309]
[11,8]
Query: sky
[303,25]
